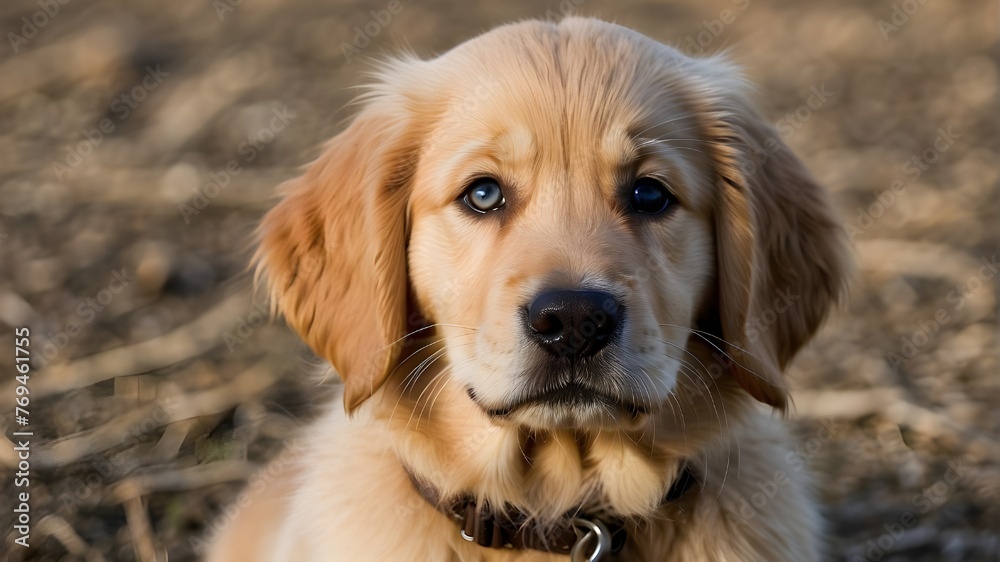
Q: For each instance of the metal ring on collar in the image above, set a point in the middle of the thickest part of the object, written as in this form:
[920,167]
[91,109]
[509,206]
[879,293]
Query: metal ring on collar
[590,532]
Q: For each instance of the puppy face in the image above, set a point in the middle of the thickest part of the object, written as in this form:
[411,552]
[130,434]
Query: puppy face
[568,205]
[564,244]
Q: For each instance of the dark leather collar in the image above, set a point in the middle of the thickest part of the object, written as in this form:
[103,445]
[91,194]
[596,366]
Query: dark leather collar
[512,529]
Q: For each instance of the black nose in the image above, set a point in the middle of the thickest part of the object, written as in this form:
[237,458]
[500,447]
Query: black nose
[573,324]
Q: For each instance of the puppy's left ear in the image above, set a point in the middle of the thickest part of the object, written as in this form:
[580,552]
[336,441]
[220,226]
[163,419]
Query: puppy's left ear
[783,256]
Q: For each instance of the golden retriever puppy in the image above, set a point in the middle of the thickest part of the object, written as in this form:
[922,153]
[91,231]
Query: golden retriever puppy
[560,270]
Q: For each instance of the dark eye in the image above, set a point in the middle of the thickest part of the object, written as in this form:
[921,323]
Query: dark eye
[484,195]
[650,197]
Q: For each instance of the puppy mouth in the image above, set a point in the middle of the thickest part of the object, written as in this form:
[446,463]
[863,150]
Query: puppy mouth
[572,396]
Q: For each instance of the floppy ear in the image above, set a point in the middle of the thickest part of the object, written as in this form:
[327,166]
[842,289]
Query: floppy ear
[783,258]
[334,250]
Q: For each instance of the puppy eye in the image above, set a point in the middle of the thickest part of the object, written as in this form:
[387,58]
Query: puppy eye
[650,197]
[484,195]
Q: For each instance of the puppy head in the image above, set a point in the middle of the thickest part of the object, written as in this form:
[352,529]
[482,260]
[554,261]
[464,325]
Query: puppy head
[568,204]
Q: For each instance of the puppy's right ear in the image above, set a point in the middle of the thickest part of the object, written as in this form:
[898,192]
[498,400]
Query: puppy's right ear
[333,250]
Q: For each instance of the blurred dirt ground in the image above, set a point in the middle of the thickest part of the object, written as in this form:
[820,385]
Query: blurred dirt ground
[140,142]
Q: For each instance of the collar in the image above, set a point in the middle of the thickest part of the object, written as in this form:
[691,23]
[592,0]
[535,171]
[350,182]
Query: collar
[511,528]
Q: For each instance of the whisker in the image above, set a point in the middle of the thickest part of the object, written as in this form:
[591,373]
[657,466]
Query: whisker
[704,334]
[410,356]
[412,376]
[410,379]
[429,406]
[728,356]
[723,420]
[696,375]
[430,385]
[430,409]
[428,327]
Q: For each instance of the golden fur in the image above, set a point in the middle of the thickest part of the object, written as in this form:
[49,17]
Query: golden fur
[414,302]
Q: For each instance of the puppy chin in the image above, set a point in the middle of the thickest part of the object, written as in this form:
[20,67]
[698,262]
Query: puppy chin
[597,398]
[583,417]
[569,407]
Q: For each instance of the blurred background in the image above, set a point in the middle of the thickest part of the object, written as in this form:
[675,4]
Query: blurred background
[140,142]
